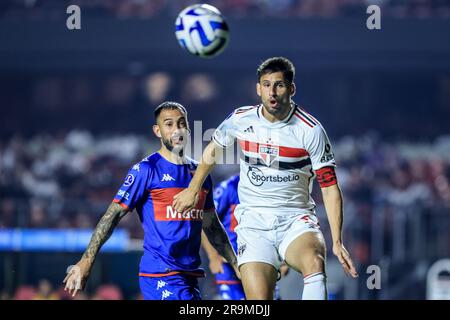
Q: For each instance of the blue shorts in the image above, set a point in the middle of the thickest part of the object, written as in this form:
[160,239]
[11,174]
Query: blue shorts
[228,285]
[173,287]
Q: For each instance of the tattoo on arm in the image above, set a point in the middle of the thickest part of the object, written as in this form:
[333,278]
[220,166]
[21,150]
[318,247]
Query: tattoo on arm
[104,230]
[217,236]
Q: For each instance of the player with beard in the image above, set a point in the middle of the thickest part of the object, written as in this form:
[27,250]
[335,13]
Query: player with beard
[170,265]
[283,148]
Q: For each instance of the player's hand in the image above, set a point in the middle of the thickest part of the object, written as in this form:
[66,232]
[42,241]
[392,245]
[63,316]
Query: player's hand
[284,269]
[216,264]
[344,258]
[77,276]
[185,200]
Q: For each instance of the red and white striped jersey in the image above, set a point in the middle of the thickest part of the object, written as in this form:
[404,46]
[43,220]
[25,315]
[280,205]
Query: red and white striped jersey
[277,160]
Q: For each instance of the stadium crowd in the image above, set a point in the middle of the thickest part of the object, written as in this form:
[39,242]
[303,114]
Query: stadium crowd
[44,290]
[48,9]
[67,181]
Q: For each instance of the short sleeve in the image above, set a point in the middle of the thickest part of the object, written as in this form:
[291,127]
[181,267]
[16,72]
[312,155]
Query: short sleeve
[319,147]
[134,187]
[225,134]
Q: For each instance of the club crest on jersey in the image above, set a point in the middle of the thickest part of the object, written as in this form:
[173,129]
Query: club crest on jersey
[241,249]
[268,153]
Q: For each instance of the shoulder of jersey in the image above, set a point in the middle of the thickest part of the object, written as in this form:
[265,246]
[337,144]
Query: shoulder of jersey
[245,111]
[234,180]
[148,163]
[304,118]
[191,162]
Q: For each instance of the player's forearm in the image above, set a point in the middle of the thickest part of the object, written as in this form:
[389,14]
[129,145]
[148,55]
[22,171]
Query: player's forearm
[206,165]
[218,238]
[207,246]
[104,230]
[332,199]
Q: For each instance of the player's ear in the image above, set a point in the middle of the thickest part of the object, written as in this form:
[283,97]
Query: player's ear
[157,131]
[258,89]
[293,89]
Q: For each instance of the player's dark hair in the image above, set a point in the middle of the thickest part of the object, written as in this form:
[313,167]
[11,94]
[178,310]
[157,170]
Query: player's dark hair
[277,64]
[169,105]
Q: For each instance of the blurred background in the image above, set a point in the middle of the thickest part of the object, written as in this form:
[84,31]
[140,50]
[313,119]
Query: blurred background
[76,113]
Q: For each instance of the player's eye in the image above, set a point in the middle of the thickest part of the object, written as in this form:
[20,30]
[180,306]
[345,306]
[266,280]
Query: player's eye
[169,124]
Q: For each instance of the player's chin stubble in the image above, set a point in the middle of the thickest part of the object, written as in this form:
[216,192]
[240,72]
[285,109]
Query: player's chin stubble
[168,144]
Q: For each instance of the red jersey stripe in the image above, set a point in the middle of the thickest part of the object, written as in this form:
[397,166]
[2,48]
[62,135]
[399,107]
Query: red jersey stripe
[288,152]
[155,275]
[123,205]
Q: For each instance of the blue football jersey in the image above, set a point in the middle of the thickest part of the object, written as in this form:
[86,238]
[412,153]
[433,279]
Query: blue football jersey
[226,199]
[171,239]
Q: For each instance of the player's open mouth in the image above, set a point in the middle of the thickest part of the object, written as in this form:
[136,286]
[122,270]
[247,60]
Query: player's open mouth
[273,103]
[177,139]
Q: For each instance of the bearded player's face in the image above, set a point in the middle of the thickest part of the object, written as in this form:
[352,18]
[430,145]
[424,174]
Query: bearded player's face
[275,92]
[172,129]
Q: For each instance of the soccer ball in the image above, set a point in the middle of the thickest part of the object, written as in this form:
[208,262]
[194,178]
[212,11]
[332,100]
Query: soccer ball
[202,30]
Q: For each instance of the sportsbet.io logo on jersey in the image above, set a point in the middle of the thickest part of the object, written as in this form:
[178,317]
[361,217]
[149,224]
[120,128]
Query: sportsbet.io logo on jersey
[257,177]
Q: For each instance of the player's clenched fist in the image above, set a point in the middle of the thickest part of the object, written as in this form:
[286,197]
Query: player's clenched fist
[185,200]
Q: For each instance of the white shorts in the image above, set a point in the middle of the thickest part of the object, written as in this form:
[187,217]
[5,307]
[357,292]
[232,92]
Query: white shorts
[264,237]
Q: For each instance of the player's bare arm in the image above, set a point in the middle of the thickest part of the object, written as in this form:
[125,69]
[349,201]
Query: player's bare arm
[187,199]
[215,259]
[332,198]
[77,276]
[215,232]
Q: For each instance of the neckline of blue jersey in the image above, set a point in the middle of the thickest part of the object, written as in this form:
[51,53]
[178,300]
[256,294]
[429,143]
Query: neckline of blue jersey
[175,164]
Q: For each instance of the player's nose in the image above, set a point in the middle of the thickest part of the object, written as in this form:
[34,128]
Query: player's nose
[273,91]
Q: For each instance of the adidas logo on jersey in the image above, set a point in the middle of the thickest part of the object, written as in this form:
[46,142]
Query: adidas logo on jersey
[250,130]
[167,177]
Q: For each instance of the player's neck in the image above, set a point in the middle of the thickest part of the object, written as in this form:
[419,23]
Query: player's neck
[171,156]
[275,118]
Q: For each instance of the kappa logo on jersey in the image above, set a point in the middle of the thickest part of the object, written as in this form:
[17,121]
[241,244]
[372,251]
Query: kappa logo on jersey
[167,177]
[268,153]
[136,167]
[161,284]
[129,180]
[257,177]
[166,294]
